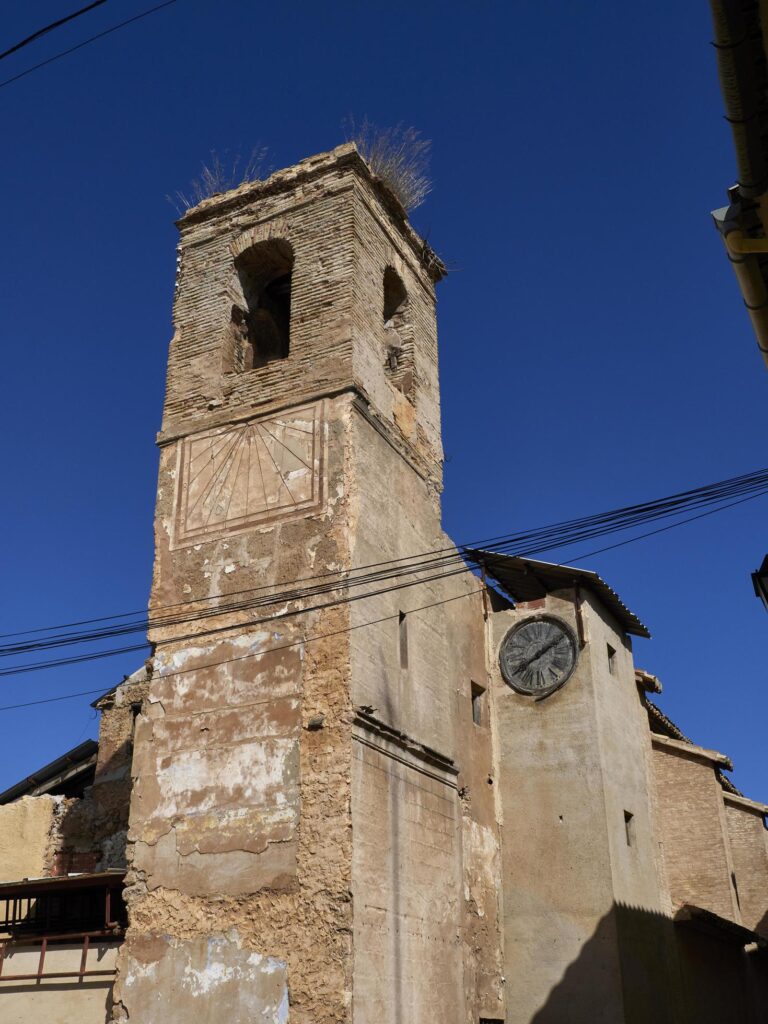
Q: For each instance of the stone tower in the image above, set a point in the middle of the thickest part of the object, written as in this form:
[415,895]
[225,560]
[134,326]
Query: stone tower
[298,845]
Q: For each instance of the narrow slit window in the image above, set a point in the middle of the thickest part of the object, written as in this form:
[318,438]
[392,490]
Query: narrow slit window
[478,704]
[735,890]
[395,299]
[629,827]
[611,652]
[398,332]
[403,639]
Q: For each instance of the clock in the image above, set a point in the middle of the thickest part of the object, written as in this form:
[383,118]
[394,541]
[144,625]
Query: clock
[538,655]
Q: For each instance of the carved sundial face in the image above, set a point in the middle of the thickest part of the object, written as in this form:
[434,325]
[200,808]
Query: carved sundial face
[234,477]
[538,655]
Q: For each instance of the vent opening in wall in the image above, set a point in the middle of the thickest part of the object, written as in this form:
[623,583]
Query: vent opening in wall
[403,639]
[478,704]
[611,654]
[629,828]
[261,322]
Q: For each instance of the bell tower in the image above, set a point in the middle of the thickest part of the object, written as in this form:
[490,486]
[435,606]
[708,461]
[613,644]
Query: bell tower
[300,440]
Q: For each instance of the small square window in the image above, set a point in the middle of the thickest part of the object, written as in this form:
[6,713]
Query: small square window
[478,704]
[611,659]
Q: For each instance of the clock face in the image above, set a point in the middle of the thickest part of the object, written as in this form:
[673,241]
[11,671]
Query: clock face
[538,655]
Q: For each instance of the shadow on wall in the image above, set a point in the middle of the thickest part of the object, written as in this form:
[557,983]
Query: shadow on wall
[670,974]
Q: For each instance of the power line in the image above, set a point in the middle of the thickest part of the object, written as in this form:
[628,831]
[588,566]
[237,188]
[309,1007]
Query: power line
[78,659]
[538,540]
[86,42]
[49,28]
[254,654]
[662,529]
[200,634]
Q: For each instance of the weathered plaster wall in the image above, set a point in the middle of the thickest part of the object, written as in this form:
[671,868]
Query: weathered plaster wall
[438,836]
[625,750]
[407,887]
[645,941]
[57,1000]
[209,979]
[747,835]
[556,868]
[241,811]
[570,765]
[692,823]
[412,414]
[26,830]
[91,833]
[240,814]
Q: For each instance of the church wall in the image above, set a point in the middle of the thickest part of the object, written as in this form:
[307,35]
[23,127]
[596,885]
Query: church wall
[241,811]
[425,866]
[692,823]
[625,752]
[407,888]
[714,981]
[410,407]
[747,834]
[556,859]
[316,219]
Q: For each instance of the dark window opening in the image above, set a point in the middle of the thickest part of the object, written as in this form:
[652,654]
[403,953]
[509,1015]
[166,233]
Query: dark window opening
[395,298]
[135,712]
[611,651]
[260,326]
[399,351]
[478,704]
[629,828]
[403,639]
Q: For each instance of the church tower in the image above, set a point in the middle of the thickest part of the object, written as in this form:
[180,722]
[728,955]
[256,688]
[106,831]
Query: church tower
[301,841]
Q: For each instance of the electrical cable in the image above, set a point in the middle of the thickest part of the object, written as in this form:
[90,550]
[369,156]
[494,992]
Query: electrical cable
[85,42]
[18,670]
[540,539]
[662,529]
[49,28]
[254,654]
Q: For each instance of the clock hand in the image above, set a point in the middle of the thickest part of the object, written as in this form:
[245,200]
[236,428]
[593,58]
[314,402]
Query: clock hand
[524,665]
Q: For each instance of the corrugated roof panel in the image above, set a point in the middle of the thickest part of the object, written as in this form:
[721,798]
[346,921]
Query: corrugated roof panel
[526,579]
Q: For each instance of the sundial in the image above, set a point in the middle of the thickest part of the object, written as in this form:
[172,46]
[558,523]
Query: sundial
[236,476]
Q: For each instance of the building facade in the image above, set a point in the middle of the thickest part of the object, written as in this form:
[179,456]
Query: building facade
[356,782]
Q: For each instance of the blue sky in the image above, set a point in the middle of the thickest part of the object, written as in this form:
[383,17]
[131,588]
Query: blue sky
[594,350]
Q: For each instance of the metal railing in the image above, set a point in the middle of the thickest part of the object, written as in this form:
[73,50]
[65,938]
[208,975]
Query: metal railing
[46,941]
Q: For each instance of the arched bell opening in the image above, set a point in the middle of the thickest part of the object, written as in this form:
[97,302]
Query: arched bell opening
[263,323]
